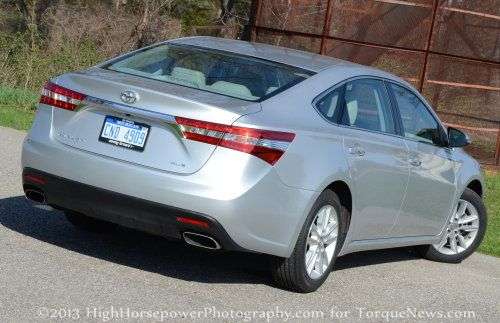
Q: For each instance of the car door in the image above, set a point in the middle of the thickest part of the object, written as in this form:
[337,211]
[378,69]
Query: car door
[431,189]
[377,157]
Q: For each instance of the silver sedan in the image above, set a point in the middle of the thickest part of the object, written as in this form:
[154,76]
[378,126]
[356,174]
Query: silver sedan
[241,146]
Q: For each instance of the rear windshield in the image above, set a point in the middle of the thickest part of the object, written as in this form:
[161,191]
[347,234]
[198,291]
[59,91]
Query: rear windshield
[221,72]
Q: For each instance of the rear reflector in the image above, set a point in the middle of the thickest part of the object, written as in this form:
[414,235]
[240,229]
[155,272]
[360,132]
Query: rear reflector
[194,222]
[34,179]
[60,97]
[264,144]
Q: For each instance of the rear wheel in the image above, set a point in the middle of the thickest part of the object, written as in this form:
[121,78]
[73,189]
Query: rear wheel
[87,223]
[463,233]
[317,247]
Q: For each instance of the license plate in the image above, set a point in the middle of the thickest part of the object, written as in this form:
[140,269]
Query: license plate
[124,133]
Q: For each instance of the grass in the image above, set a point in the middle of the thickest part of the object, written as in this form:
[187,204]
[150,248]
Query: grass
[17,109]
[491,242]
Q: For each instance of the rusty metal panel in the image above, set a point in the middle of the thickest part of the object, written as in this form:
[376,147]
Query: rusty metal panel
[305,16]
[449,49]
[463,87]
[406,64]
[396,23]
[468,29]
[466,94]
[310,44]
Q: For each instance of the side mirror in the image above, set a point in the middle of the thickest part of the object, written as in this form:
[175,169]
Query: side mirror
[457,138]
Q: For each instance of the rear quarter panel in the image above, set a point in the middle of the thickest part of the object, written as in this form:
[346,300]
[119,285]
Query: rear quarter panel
[315,158]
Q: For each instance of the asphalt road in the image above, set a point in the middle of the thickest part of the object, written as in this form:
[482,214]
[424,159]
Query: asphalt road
[48,269]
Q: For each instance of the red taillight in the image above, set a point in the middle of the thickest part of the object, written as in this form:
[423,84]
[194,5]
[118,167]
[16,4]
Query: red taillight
[60,97]
[265,144]
[191,221]
[34,179]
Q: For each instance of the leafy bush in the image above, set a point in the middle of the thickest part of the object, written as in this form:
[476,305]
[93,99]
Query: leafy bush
[29,68]
[17,107]
[19,99]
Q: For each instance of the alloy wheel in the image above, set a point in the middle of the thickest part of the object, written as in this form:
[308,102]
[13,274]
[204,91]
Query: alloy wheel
[460,231]
[321,241]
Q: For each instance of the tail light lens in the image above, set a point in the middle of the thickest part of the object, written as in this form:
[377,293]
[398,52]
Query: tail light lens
[264,144]
[60,97]
[34,179]
[191,221]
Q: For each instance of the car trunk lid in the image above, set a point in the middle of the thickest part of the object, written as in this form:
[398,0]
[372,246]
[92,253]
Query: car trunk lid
[157,105]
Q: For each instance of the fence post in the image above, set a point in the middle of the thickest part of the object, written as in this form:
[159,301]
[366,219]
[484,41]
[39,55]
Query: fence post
[326,27]
[250,31]
[435,7]
[497,152]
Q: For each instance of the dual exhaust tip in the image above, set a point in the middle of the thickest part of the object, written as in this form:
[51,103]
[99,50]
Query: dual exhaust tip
[36,196]
[191,238]
[201,241]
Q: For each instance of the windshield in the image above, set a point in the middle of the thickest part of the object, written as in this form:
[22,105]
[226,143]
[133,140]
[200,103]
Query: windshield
[225,73]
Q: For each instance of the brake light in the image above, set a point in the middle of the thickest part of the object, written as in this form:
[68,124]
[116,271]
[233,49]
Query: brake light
[60,97]
[264,144]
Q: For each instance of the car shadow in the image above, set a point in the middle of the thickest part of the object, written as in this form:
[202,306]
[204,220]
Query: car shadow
[156,254]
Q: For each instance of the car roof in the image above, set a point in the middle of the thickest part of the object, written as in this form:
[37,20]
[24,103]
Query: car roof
[305,60]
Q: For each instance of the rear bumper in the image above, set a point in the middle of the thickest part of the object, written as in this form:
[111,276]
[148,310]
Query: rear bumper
[241,193]
[128,211]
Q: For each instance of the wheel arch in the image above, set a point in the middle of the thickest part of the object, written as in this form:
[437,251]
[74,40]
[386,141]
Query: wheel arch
[344,193]
[343,190]
[476,186]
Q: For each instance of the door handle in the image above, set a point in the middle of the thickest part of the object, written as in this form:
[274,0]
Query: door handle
[356,150]
[415,162]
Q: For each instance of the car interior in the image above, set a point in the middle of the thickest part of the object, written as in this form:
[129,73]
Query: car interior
[232,76]
[366,107]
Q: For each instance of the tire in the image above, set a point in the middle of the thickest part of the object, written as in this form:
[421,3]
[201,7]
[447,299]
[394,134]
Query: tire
[87,223]
[291,273]
[432,252]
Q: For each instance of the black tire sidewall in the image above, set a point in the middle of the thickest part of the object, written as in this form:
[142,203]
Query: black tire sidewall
[326,198]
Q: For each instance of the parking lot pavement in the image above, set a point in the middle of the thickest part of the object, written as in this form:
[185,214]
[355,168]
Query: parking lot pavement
[49,269]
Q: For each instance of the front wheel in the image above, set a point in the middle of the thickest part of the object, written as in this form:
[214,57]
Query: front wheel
[463,233]
[317,246]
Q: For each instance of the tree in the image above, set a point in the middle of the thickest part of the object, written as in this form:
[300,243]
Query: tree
[236,15]
[150,12]
[29,12]
[226,11]
[118,3]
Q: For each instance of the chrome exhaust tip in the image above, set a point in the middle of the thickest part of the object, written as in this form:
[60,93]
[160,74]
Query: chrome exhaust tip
[38,198]
[201,240]
[35,196]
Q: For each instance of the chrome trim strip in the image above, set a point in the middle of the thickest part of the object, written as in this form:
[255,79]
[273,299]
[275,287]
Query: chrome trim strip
[122,108]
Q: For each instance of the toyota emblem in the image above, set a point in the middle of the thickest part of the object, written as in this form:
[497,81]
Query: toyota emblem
[129,97]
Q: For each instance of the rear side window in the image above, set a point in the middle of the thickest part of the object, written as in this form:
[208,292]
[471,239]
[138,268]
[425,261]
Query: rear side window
[330,105]
[225,73]
[367,106]
[418,122]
